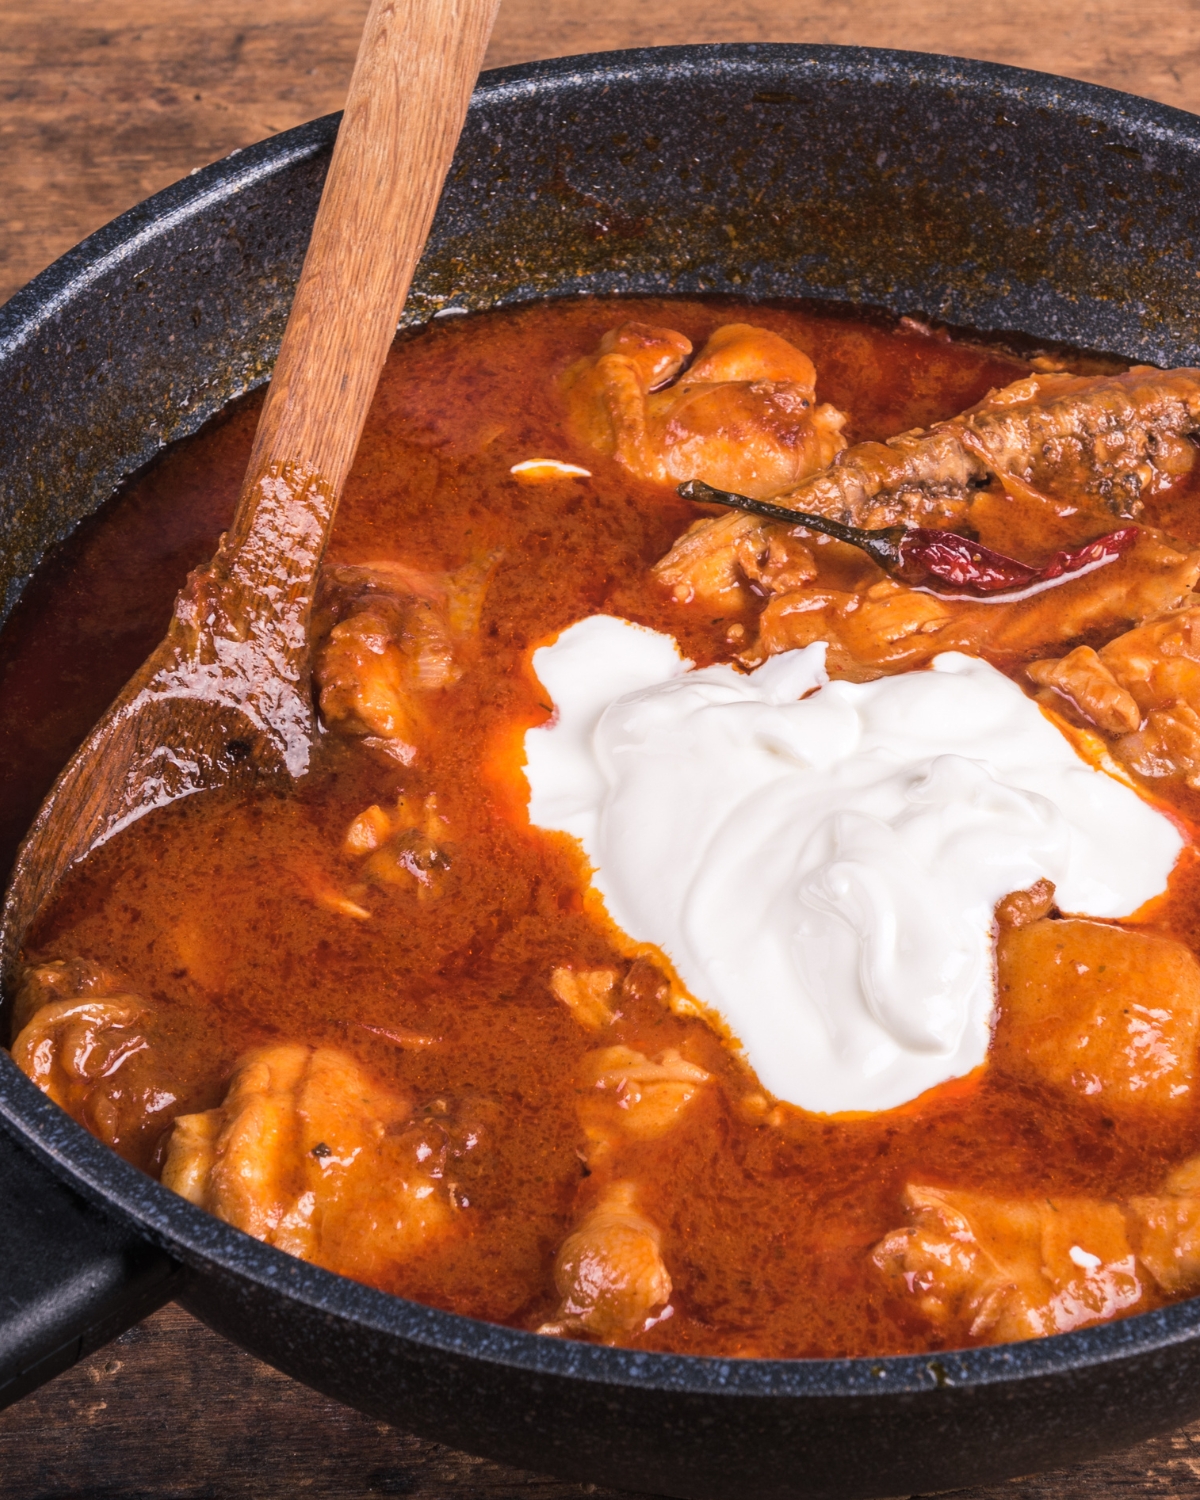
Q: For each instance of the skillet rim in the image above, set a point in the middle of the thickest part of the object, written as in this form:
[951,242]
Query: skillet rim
[34,304]
[210,1246]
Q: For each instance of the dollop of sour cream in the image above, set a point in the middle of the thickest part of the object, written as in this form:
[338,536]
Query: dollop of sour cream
[821,860]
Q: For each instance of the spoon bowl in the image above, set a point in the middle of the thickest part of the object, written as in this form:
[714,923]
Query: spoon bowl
[227,693]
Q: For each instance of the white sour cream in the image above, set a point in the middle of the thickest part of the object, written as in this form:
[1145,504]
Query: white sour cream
[823,873]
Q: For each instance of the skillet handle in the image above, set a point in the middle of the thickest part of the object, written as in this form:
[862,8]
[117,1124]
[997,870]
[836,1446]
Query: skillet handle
[71,1278]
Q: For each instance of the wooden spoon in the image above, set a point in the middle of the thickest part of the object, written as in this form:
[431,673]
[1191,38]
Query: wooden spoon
[228,694]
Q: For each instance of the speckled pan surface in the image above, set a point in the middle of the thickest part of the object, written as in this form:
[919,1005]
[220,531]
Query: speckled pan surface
[977,194]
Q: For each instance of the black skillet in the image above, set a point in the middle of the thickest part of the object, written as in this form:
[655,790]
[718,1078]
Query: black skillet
[975,194]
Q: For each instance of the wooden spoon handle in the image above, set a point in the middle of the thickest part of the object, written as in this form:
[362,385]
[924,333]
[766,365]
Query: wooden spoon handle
[229,685]
[240,632]
[416,67]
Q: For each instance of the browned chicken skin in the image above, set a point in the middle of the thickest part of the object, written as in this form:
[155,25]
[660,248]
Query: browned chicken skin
[742,416]
[1095,441]
[88,1043]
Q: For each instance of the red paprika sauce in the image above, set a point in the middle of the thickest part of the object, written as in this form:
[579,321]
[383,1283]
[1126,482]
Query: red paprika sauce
[205,907]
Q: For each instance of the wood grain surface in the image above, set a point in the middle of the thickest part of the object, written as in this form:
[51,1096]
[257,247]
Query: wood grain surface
[103,102]
[171,1412]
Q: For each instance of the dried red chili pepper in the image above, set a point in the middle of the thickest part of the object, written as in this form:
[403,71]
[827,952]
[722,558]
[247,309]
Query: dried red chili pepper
[940,562]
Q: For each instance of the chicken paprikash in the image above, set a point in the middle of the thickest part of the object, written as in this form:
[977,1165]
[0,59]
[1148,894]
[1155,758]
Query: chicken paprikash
[465,1015]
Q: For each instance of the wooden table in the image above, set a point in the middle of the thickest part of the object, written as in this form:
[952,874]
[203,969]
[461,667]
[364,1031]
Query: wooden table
[103,102]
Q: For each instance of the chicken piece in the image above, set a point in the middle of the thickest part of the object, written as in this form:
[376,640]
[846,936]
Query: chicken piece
[1143,690]
[1007,1269]
[1106,1012]
[713,560]
[625,1092]
[803,616]
[399,634]
[880,625]
[742,416]
[609,1272]
[1109,438]
[871,485]
[1168,744]
[782,561]
[371,829]
[365,689]
[1115,437]
[867,623]
[1090,440]
[647,1097]
[708,562]
[645,982]
[1083,678]
[91,1052]
[587,995]
[1166,1230]
[1159,663]
[309,1155]
[61,979]
[919,478]
[1155,575]
[402,847]
[883,626]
